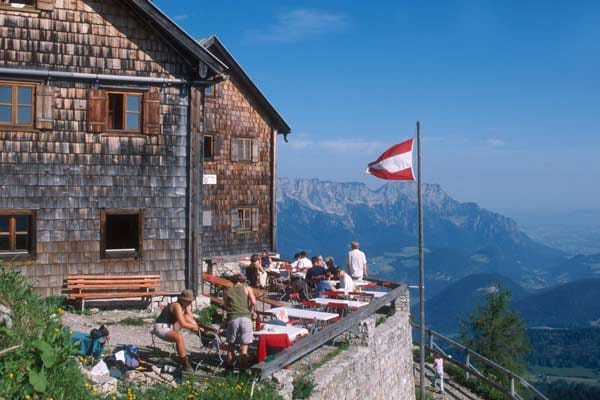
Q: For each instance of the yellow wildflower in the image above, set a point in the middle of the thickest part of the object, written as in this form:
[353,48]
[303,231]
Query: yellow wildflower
[11,376]
[86,385]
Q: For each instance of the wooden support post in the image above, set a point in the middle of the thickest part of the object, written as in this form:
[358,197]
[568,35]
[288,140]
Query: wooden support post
[467,364]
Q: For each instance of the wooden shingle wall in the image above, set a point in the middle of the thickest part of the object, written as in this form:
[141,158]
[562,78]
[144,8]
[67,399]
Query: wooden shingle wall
[229,114]
[69,174]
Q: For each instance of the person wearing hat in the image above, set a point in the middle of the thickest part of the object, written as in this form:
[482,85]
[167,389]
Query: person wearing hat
[172,319]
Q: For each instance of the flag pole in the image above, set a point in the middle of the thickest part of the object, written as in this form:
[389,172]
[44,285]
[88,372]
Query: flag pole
[421,272]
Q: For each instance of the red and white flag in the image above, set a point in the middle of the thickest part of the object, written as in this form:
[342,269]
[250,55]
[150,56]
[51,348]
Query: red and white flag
[395,163]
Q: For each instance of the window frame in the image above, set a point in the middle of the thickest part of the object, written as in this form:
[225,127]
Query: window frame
[213,147]
[12,253]
[14,104]
[242,143]
[27,7]
[121,253]
[124,111]
[239,226]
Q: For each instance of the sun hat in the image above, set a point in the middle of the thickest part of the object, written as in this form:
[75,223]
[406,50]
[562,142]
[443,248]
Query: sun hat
[187,295]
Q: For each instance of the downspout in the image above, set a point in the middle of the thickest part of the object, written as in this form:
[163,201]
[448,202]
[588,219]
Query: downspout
[189,243]
[199,220]
[274,191]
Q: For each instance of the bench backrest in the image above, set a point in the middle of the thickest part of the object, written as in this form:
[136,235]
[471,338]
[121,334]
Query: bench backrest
[99,282]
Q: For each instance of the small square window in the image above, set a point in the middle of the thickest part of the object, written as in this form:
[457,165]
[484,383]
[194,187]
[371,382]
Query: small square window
[16,104]
[17,234]
[124,111]
[121,234]
[209,147]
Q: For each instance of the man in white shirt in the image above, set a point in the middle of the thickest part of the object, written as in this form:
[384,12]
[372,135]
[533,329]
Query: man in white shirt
[357,262]
[302,263]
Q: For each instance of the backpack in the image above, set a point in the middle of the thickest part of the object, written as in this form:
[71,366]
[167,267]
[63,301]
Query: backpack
[132,356]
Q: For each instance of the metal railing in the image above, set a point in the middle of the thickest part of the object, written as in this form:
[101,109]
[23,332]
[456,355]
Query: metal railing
[471,370]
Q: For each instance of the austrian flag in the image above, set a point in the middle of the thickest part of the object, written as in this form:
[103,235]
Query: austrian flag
[395,163]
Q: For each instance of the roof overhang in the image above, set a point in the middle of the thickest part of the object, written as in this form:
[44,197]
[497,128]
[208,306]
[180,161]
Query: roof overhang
[174,32]
[236,70]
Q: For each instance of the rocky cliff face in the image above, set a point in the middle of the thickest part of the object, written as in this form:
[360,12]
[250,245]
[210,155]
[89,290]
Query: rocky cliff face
[461,238]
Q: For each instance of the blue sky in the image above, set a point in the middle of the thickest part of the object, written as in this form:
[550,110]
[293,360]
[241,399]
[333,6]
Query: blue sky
[507,93]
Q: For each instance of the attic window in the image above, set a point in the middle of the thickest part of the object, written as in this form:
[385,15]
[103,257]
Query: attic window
[124,111]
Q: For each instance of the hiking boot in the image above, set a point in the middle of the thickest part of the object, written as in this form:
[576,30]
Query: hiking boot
[186,366]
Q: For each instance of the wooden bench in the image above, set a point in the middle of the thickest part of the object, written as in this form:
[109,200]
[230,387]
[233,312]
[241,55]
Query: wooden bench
[96,287]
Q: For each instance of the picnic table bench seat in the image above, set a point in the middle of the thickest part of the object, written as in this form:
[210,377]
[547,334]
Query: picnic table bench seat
[96,287]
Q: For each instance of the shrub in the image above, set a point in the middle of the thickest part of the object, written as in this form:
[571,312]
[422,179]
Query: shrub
[42,366]
[208,315]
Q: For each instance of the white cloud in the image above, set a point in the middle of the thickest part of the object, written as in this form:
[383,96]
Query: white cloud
[298,25]
[495,142]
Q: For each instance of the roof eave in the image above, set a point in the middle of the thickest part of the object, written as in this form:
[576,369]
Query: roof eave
[236,68]
[170,28]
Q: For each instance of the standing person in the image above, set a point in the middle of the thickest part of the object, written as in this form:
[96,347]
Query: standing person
[172,319]
[239,304]
[357,262]
[438,366]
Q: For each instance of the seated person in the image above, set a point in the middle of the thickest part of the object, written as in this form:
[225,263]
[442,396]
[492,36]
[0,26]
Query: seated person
[325,285]
[331,267]
[239,304]
[255,273]
[346,282]
[265,260]
[316,273]
[302,263]
[172,319]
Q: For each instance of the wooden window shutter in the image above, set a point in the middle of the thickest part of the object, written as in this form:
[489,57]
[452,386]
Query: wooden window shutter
[96,110]
[216,146]
[47,5]
[235,222]
[254,219]
[151,117]
[44,107]
[255,154]
[234,149]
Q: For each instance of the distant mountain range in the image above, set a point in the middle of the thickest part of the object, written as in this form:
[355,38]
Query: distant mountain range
[571,305]
[460,238]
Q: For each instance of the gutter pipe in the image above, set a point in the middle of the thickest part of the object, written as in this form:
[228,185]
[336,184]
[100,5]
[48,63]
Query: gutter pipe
[48,74]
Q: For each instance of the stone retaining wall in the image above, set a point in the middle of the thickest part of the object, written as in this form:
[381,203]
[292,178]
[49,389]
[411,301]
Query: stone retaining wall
[378,364]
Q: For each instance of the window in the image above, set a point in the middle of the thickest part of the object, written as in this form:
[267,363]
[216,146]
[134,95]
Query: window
[210,91]
[244,219]
[127,112]
[17,234]
[124,111]
[244,149]
[16,104]
[209,147]
[121,233]
[19,3]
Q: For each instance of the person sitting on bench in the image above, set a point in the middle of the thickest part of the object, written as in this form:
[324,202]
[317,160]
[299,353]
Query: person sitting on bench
[172,319]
